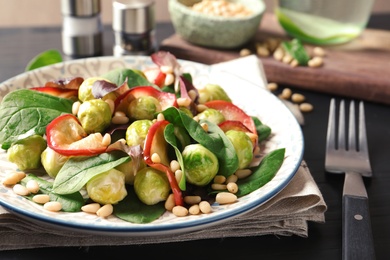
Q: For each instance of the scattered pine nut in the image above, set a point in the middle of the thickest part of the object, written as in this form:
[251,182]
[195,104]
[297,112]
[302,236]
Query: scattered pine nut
[243,173]
[156,158]
[160,117]
[13,178]
[32,186]
[232,178]
[315,62]
[232,187]
[191,200]
[91,208]
[318,51]
[225,198]
[75,107]
[169,79]
[306,107]
[105,211]
[194,209]
[205,207]
[180,211]
[54,206]
[219,179]
[19,189]
[174,165]
[170,202]
[272,86]
[245,52]
[183,102]
[106,141]
[217,186]
[41,198]
[297,98]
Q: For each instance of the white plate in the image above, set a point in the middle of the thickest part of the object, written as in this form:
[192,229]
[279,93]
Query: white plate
[286,133]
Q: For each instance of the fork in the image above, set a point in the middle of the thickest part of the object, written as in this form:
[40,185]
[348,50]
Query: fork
[353,160]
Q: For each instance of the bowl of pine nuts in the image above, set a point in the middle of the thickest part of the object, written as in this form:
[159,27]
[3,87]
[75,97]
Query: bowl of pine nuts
[224,24]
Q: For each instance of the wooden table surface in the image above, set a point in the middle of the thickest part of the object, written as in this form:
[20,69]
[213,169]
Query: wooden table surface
[19,45]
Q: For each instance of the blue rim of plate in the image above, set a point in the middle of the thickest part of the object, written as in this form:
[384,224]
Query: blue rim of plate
[194,223]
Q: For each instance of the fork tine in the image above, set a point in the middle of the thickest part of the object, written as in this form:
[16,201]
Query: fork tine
[351,130]
[341,136]
[331,132]
[363,147]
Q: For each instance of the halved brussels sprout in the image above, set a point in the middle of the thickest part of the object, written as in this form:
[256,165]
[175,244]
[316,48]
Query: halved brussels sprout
[94,115]
[107,187]
[52,161]
[136,132]
[85,89]
[243,146]
[200,164]
[144,108]
[212,92]
[212,115]
[130,169]
[26,153]
[151,186]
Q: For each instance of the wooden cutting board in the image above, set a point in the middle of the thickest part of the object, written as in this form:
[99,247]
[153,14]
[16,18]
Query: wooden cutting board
[359,69]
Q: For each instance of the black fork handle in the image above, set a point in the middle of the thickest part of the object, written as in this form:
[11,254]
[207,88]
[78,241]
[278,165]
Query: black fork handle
[357,234]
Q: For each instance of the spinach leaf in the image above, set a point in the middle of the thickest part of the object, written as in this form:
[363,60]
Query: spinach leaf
[70,202]
[263,131]
[134,78]
[43,59]
[77,171]
[215,140]
[263,173]
[170,137]
[133,210]
[27,112]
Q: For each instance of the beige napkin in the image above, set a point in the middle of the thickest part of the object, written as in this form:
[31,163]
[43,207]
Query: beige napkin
[285,214]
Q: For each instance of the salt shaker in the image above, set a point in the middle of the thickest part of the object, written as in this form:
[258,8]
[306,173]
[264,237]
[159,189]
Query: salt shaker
[82,29]
[134,27]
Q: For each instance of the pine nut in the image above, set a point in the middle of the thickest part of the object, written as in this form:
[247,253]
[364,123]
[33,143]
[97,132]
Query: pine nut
[217,186]
[183,102]
[243,173]
[54,206]
[231,178]
[91,208]
[178,175]
[32,186]
[286,93]
[170,202]
[294,63]
[166,69]
[19,189]
[262,50]
[297,98]
[169,79]
[105,211]
[192,94]
[200,108]
[194,209]
[272,86]
[232,187]
[191,200]
[75,107]
[318,51]
[225,198]
[315,62]
[156,158]
[278,54]
[219,179]
[119,120]
[287,58]
[205,207]
[41,198]
[245,52]
[306,107]
[174,165]
[160,117]
[180,211]
[205,127]
[111,103]
[13,178]
[106,141]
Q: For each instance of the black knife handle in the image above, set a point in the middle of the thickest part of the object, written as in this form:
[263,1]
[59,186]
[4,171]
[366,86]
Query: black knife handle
[358,241]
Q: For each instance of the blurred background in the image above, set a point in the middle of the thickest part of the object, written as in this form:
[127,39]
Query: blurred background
[48,12]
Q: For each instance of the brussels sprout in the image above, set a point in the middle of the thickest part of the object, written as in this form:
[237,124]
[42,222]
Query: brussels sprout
[107,187]
[94,115]
[212,92]
[144,107]
[151,186]
[186,111]
[136,132]
[200,164]
[26,153]
[85,89]
[130,169]
[212,115]
[52,161]
[243,146]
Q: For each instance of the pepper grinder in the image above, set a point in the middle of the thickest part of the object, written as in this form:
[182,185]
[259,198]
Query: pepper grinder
[134,27]
[82,29]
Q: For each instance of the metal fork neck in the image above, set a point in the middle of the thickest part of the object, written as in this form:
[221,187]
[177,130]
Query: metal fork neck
[354,185]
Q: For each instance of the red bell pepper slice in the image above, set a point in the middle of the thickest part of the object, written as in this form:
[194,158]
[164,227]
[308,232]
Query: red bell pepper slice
[66,136]
[155,143]
[233,113]
[58,92]
[155,76]
[166,99]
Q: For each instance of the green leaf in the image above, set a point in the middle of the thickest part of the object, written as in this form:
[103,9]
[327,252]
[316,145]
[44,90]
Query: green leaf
[133,210]
[134,77]
[263,131]
[43,59]
[263,173]
[70,202]
[215,139]
[297,51]
[77,171]
[35,109]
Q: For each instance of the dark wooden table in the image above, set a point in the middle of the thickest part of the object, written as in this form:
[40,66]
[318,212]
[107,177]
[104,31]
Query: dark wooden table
[19,45]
